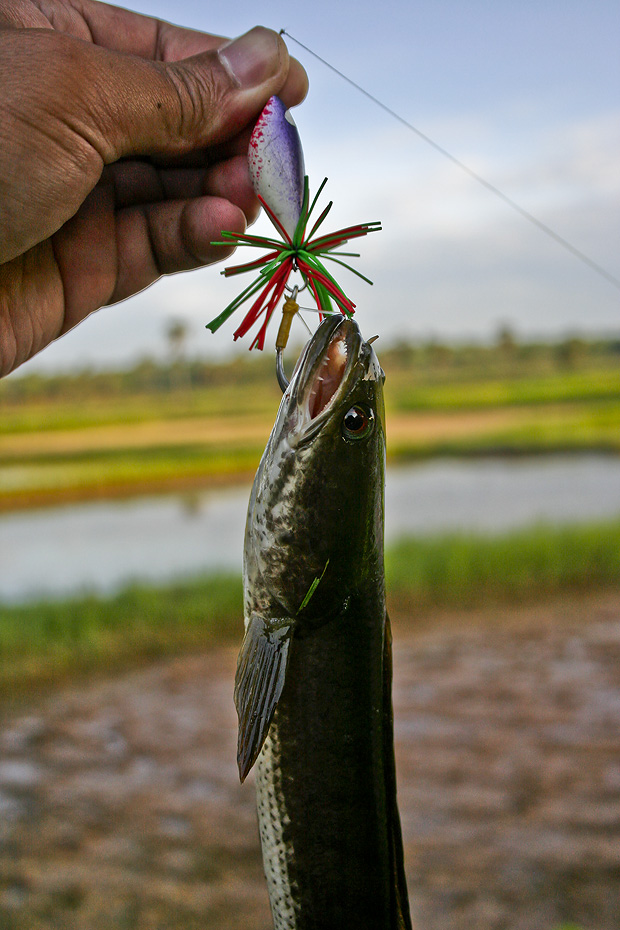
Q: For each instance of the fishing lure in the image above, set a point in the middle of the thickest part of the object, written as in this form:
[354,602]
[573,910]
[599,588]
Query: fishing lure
[276,165]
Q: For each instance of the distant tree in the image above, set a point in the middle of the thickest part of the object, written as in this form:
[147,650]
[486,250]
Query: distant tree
[506,340]
[177,331]
[439,354]
[176,334]
[571,352]
[402,353]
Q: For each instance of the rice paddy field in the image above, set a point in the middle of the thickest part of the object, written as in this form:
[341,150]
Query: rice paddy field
[119,800]
[192,424]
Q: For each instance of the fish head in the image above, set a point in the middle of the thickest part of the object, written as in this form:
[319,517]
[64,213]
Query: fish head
[315,520]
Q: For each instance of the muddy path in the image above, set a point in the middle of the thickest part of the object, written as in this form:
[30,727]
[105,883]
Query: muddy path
[120,807]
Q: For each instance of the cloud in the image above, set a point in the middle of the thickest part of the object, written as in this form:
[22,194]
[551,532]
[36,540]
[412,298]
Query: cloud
[455,259]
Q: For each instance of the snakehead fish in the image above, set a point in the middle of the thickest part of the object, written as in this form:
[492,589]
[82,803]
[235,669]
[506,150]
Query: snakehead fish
[313,684]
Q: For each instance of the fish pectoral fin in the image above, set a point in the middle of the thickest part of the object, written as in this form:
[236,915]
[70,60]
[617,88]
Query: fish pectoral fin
[261,670]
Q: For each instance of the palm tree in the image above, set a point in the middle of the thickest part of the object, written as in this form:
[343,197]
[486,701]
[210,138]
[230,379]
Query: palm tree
[176,333]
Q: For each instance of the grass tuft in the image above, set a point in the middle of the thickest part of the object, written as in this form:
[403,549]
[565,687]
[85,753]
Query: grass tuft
[50,640]
[463,570]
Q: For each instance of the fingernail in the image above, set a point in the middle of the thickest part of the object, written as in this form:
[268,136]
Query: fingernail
[252,58]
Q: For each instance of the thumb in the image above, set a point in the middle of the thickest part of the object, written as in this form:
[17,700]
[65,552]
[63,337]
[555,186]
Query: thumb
[171,108]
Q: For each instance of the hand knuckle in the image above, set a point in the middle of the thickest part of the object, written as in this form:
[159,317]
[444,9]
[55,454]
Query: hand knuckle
[198,95]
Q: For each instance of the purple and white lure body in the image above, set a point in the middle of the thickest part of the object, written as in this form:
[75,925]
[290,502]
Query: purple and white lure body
[276,162]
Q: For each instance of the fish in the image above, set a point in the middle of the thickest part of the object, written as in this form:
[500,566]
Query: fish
[276,163]
[313,681]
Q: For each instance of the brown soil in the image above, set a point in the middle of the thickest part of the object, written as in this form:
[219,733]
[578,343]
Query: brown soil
[120,807]
[417,426]
[441,426]
[145,435]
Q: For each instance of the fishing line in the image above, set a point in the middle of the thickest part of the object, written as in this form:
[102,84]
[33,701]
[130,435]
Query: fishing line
[575,252]
[303,321]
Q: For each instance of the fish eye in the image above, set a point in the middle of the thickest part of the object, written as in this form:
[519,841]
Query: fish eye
[358,422]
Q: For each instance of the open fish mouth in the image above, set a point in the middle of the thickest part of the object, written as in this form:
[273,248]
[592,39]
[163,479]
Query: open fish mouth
[329,375]
[324,373]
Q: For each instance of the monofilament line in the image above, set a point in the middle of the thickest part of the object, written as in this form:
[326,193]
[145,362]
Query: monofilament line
[577,253]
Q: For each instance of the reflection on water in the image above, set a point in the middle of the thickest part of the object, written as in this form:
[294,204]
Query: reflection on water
[104,545]
[497,494]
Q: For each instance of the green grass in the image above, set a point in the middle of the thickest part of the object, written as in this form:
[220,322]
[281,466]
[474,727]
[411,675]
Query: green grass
[139,468]
[552,388]
[574,428]
[459,570]
[49,641]
[73,412]
[406,390]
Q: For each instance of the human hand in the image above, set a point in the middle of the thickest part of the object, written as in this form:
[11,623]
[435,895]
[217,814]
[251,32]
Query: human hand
[123,145]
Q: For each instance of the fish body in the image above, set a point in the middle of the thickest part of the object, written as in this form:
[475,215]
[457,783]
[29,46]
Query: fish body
[276,163]
[313,687]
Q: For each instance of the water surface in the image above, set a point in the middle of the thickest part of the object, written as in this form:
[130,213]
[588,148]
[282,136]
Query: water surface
[104,545]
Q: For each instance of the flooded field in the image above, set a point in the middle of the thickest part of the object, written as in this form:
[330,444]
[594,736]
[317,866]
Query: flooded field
[121,809]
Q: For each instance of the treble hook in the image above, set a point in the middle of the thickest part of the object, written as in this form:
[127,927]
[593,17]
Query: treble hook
[289,310]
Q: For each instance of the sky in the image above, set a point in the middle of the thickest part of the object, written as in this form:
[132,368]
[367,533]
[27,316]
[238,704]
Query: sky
[524,92]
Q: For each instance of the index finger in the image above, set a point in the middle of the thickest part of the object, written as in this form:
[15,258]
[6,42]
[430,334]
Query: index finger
[121,30]
[132,33]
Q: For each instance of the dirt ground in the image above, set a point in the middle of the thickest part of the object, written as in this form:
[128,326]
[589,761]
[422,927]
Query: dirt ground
[120,807]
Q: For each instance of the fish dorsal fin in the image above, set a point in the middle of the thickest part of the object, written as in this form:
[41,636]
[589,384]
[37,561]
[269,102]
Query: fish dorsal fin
[261,670]
[401,919]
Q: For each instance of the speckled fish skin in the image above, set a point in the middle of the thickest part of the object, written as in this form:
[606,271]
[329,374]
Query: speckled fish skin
[276,162]
[325,777]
